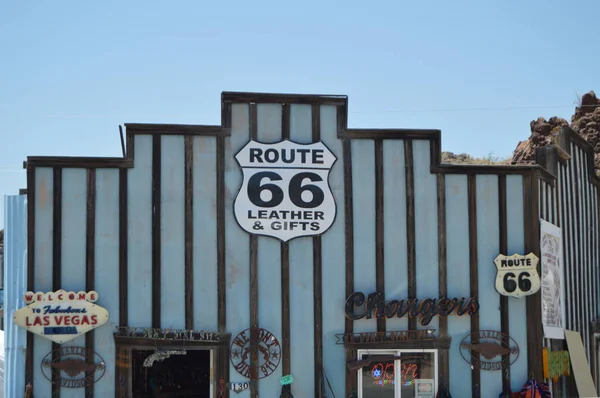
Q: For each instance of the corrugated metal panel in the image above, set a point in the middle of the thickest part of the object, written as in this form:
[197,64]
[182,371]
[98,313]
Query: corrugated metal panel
[15,282]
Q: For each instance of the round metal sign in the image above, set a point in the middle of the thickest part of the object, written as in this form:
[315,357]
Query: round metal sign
[73,367]
[496,350]
[255,353]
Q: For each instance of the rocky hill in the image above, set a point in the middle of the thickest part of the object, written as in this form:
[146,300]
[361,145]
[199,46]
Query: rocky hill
[585,121]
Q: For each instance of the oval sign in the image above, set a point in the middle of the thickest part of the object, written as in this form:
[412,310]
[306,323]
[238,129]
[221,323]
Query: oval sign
[73,367]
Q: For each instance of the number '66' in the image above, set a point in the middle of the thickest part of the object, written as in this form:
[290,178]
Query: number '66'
[295,190]
[510,285]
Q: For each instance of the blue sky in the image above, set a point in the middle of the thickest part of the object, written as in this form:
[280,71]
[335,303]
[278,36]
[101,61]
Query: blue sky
[72,71]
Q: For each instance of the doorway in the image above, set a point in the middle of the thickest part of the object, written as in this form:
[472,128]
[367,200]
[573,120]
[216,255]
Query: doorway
[397,373]
[171,373]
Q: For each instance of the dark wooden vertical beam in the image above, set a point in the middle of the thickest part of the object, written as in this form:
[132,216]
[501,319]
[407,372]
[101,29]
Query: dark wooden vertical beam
[56,256]
[221,272]
[31,191]
[90,258]
[189,230]
[533,303]
[223,351]
[285,272]
[379,228]
[577,246]
[317,280]
[123,250]
[122,366]
[504,305]
[444,371]
[410,227]
[473,268]
[349,237]
[156,215]
[253,242]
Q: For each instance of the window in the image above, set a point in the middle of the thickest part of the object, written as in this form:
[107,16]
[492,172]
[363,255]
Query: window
[397,373]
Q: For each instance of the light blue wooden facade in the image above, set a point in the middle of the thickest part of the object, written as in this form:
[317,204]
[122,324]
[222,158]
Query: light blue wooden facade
[457,227]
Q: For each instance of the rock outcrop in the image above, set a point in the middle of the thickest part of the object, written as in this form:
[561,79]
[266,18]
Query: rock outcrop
[585,121]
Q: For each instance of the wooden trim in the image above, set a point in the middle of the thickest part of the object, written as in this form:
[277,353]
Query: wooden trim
[401,134]
[123,246]
[189,231]
[31,197]
[441,343]
[78,162]
[242,97]
[253,243]
[122,372]
[285,309]
[473,267]
[444,360]
[286,352]
[156,227]
[56,255]
[379,228]
[533,302]
[22,191]
[285,121]
[504,304]
[221,271]
[349,238]
[141,342]
[177,129]
[410,227]
[575,184]
[90,257]
[317,280]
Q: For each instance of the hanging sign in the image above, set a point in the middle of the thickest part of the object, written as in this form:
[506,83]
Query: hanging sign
[285,191]
[60,316]
[161,355]
[73,367]
[255,353]
[517,275]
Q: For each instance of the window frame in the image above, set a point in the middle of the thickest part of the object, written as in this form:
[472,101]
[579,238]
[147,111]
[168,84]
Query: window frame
[396,352]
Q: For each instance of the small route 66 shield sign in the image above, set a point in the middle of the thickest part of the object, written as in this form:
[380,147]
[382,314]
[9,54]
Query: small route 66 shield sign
[517,275]
[285,191]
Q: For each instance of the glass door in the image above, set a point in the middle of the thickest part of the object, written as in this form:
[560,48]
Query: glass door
[397,373]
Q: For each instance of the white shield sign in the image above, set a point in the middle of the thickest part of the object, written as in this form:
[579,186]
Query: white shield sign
[517,275]
[285,193]
[60,316]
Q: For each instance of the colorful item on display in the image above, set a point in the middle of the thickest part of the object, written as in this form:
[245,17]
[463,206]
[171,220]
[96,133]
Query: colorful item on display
[517,275]
[255,353]
[285,380]
[533,389]
[556,364]
[285,191]
[73,367]
[60,316]
[489,350]
[386,373]
[359,306]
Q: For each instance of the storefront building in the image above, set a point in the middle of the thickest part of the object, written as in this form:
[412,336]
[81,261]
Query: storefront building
[283,253]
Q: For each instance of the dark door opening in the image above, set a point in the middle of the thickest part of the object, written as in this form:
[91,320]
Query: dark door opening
[178,375]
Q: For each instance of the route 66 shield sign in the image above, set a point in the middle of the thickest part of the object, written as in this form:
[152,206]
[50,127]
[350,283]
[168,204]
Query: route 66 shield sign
[285,192]
[517,275]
